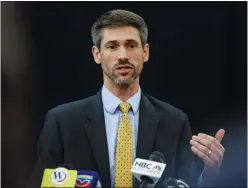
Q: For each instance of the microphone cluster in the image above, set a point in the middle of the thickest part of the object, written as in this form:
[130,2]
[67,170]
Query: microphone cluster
[147,172]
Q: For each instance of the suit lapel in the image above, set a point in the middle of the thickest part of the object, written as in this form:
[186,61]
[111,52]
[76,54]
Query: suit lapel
[148,127]
[98,140]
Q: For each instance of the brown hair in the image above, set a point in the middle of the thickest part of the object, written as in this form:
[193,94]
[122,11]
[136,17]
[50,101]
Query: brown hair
[118,18]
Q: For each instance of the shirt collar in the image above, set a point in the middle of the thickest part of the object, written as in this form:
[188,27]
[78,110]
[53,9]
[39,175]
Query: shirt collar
[111,102]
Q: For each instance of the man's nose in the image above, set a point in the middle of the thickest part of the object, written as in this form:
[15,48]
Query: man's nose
[122,54]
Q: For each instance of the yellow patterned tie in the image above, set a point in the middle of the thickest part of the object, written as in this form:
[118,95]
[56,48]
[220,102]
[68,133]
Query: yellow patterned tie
[124,150]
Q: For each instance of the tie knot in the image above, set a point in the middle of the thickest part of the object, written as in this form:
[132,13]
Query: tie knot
[125,106]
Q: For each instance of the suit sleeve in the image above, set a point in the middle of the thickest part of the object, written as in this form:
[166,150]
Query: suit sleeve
[186,167]
[50,151]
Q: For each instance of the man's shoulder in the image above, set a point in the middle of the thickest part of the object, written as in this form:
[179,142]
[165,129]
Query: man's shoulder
[166,109]
[82,105]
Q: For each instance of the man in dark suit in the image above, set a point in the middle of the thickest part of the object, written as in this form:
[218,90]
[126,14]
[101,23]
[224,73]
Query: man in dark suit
[96,133]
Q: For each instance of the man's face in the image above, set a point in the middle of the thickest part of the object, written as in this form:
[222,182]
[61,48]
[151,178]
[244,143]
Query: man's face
[121,55]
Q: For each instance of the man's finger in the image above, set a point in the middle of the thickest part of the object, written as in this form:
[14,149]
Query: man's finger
[213,140]
[220,134]
[207,161]
[206,136]
[215,155]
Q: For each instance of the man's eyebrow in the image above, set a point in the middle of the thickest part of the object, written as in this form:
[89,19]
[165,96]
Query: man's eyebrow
[132,41]
[111,41]
[115,41]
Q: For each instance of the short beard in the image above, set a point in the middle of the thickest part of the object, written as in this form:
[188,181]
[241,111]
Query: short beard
[124,82]
[119,81]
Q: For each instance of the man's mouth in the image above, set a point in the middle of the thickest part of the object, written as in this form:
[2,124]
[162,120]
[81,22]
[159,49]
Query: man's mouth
[123,67]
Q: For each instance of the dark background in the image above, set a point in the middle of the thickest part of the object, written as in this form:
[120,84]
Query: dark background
[198,58]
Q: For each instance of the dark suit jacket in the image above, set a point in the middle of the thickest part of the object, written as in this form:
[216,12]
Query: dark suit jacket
[74,134]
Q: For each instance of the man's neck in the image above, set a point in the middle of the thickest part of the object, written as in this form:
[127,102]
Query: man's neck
[123,92]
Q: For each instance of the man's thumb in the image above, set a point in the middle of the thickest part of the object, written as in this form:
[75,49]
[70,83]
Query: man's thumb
[220,134]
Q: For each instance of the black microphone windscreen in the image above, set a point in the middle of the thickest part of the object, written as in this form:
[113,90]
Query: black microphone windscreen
[157,157]
[67,166]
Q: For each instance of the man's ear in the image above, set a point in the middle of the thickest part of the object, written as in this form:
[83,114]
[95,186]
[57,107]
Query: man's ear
[96,54]
[146,53]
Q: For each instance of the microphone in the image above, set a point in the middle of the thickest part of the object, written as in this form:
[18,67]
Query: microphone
[59,177]
[89,179]
[67,166]
[175,183]
[148,172]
